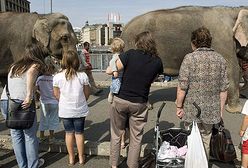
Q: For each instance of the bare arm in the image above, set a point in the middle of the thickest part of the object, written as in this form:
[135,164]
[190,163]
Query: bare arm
[244,125]
[56,92]
[223,97]
[119,65]
[109,71]
[87,91]
[32,74]
[179,102]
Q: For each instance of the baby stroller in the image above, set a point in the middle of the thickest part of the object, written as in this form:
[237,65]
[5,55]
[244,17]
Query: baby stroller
[175,136]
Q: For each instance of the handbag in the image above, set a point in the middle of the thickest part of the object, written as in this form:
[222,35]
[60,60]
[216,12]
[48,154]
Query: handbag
[221,145]
[196,155]
[17,117]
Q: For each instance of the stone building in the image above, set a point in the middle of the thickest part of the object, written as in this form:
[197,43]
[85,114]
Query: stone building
[100,34]
[14,6]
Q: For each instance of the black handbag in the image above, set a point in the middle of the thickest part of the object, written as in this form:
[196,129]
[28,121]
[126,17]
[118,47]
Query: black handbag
[221,145]
[17,117]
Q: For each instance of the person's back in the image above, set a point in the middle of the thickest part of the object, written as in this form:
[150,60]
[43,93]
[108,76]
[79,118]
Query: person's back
[140,68]
[45,84]
[21,81]
[140,71]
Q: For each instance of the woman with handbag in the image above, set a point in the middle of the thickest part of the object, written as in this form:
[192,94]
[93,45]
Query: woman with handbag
[19,89]
[202,79]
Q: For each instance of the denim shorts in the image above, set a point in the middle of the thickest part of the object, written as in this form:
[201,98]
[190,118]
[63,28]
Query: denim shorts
[72,125]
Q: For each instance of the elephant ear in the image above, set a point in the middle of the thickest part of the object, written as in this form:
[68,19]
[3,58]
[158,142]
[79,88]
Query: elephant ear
[41,31]
[240,28]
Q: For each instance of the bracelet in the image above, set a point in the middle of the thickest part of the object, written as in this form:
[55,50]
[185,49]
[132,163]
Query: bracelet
[180,107]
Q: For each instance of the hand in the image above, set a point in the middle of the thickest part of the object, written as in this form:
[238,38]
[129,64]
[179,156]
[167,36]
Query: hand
[26,103]
[180,113]
[241,133]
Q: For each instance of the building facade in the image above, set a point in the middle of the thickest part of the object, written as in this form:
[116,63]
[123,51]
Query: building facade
[14,6]
[100,34]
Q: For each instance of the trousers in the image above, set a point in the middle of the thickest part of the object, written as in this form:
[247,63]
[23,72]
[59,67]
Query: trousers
[136,113]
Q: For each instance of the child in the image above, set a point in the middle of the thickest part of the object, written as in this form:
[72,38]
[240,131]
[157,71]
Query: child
[49,119]
[72,90]
[244,134]
[117,47]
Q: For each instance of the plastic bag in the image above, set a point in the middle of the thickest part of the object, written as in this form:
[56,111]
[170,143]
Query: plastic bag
[196,156]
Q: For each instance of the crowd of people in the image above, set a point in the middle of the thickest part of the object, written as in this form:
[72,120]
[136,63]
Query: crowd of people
[64,95]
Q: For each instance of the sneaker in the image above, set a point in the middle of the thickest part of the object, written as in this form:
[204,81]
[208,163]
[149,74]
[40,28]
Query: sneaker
[41,162]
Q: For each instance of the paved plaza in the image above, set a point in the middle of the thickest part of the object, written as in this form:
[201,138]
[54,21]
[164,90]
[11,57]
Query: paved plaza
[97,128]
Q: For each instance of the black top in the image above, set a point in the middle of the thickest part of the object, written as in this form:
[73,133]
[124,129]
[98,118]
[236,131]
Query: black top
[140,70]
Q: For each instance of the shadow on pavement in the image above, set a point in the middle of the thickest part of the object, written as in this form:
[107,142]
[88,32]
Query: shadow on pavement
[50,158]
[97,131]
[101,96]
[162,95]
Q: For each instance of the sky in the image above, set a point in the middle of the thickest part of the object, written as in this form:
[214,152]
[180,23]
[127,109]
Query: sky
[97,11]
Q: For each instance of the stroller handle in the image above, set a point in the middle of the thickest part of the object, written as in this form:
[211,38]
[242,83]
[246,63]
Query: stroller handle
[198,109]
[160,110]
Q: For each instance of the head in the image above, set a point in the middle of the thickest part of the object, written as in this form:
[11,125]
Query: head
[117,45]
[86,45]
[144,41]
[55,32]
[50,67]
[34,54]
[70,63]
[201,37]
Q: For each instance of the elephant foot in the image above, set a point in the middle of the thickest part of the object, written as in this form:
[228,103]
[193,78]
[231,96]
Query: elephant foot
[234,109]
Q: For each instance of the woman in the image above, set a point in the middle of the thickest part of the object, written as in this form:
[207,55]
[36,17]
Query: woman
[203,80]
[72,90]
[140,67]
[21,80]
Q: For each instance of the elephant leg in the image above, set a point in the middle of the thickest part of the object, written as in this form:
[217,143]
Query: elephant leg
[233,104]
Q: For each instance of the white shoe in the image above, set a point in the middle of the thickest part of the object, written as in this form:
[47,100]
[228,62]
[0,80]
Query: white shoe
[41,162]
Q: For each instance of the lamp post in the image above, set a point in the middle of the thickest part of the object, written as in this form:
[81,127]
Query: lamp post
[51,1]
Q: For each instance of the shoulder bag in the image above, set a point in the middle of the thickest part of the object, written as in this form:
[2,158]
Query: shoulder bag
[221,145]
[17,117]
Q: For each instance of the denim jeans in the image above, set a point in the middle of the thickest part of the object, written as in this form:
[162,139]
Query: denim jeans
[74,125]
[25,144]
[115,85]
[4,108]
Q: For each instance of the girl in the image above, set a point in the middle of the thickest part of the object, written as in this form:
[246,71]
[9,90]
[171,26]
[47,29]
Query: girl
[244,134]
[72,90]
[49,119]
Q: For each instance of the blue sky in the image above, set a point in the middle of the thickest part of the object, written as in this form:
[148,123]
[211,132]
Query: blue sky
[96,11]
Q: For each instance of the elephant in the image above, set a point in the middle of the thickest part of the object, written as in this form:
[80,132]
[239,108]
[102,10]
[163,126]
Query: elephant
[172,30]
[53,31]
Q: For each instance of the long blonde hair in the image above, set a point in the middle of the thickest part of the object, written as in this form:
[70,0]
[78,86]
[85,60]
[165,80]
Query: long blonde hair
[70,63]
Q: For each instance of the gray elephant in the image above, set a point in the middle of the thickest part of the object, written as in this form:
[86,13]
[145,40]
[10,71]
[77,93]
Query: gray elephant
[172,31]
[17,30]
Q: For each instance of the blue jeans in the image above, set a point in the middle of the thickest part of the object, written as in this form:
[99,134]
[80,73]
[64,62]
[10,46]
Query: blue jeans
[115,85]
[25,143]
[74,125]
[4,108]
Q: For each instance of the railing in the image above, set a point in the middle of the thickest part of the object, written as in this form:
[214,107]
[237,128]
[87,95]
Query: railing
[100,61]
